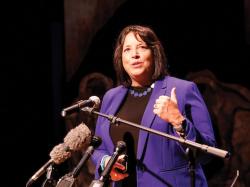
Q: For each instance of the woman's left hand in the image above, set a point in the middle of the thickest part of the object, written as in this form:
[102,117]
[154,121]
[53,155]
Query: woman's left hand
[167,109]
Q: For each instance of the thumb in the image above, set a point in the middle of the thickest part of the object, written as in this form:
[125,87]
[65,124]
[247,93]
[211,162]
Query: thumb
[173,95]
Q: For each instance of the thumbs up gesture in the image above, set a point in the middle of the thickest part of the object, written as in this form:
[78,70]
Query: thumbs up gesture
[167,109]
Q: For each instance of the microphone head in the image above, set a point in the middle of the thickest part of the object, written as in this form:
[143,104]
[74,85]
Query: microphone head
[96,100]
[121,146]
[96,141]
[60,153]
[78,138]
[63,113]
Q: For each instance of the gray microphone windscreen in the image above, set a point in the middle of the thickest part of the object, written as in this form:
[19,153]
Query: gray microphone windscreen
[60,153]
[78,138]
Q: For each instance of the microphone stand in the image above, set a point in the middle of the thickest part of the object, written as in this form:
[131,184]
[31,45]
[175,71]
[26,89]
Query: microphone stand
[203,147]
[191,165]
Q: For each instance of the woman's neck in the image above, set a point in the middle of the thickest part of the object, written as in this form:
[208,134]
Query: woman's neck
[141,83]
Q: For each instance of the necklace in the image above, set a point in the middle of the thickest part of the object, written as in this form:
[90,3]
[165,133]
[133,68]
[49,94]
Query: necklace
[140,94]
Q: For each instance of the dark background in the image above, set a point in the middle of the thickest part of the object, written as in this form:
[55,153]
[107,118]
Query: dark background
[212,37]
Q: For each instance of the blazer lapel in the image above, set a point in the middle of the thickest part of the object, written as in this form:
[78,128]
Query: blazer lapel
[114,105]
[160,88]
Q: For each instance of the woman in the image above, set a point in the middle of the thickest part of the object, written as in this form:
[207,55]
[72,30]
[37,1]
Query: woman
[147,95]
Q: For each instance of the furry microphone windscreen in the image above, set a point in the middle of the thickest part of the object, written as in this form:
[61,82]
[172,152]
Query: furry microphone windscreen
[60,153]
[78,138]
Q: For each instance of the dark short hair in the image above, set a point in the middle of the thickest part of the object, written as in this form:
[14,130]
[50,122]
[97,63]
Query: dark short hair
[152,41]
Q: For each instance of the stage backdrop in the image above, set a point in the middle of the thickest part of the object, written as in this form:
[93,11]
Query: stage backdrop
[206,42]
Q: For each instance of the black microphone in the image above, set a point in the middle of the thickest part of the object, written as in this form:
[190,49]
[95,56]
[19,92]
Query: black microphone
[120,148]
[92,101]
[75,140]
[95,142]
[69,179]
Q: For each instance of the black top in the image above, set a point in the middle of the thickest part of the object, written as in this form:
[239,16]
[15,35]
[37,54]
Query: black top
[132,109]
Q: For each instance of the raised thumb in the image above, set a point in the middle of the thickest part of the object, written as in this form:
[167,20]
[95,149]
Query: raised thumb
[173,95]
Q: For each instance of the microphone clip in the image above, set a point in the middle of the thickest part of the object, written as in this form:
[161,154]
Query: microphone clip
[88,109]
[50,180]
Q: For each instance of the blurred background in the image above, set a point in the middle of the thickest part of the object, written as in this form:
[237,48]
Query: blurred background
[50,49]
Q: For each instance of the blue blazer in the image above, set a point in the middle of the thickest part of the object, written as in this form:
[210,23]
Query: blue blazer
[162,161]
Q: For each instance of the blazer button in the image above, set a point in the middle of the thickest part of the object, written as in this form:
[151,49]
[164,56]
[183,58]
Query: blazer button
[141,166]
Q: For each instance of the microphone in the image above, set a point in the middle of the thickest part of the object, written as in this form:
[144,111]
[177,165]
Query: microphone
[120,148]
[69,179]
[75,140]
[95,142]
[92,101]
[58,155]
[78,138]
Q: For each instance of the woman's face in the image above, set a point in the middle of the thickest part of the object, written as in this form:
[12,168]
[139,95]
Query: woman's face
[137,60]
